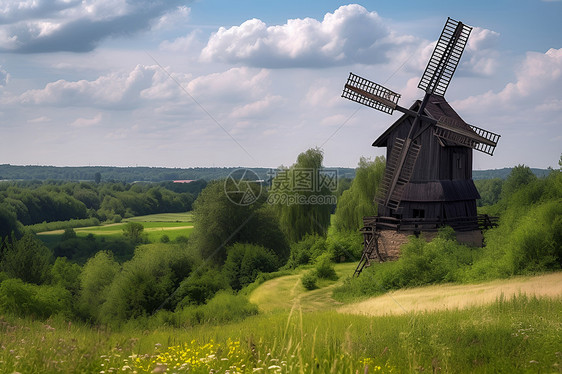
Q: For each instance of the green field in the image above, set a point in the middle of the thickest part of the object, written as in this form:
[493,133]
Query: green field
[155,226]
[305,333]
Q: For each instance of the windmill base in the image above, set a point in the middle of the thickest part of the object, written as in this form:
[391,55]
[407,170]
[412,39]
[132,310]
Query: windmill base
[382,245]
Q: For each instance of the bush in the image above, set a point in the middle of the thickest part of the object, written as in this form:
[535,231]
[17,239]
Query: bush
[306,250]
[146,283]
[27,259]
[24,299]
[223,308]
[309,279]
[245,261]
[98,273]
[199,287]
[66,274]
[345,246]
[441,260]
[324,268]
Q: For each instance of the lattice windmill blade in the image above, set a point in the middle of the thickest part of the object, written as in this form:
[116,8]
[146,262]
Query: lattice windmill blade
[371,94]
[445,57]
[398,172]
[467,135]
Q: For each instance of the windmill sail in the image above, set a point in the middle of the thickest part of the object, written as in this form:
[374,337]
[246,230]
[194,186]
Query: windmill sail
[369,93]
[397,173]
[471,136]
[445,58]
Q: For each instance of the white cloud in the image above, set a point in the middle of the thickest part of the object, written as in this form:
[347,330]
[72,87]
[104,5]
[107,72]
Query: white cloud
[115,90]
[174,18]
[481,56]
[186,43]
[78,26]
[4,77]
[349,35]
[257,108]
[41,119]
[87,122]
[539,79]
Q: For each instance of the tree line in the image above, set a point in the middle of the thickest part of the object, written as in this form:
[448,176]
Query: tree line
[32,202]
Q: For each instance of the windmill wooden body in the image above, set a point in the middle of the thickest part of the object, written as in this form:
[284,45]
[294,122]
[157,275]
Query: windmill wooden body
[428,178]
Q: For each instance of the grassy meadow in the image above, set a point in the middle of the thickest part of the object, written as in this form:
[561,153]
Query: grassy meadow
[155,226]
[299,331]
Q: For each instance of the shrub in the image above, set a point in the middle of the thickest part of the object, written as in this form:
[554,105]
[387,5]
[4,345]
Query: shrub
[345,245]
[306,250]
[223,308]
[441,260]
[245,261]
[199,287]
[309,279]
[66,274]
[69,233]
[324,268]
[96,276]
[27,259]
[24,299]
[146,282]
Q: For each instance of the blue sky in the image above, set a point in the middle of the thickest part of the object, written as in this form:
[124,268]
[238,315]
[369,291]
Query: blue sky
[254,83]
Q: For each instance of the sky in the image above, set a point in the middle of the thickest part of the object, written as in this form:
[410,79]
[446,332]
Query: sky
[254,83]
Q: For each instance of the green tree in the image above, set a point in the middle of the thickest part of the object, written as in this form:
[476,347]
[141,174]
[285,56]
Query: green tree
[292,194]
[27,259]
[97,177]
[9,224]
[357,202]
[219,222]
[66,274]
[520,176]
[96,276]
[489,190]
[147,282]
[133,231]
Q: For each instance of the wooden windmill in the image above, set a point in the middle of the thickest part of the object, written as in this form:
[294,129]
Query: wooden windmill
[428,178]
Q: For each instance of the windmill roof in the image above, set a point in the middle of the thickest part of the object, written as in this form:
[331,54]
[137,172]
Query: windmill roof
[436,107]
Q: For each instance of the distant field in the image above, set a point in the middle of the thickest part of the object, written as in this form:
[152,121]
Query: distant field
[163,217]
[155,226]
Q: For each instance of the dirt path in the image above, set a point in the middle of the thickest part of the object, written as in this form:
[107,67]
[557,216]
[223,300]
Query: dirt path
[286,293]
[443,297]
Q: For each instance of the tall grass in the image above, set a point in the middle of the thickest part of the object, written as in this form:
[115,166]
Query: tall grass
[517,335]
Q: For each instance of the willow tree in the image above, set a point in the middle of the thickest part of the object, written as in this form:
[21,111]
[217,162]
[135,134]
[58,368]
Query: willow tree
[357,201]
[302,196]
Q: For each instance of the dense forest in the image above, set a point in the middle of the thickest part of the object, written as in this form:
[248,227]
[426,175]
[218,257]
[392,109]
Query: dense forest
[131,174]
[234,246]
[156,174]
[34,202]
